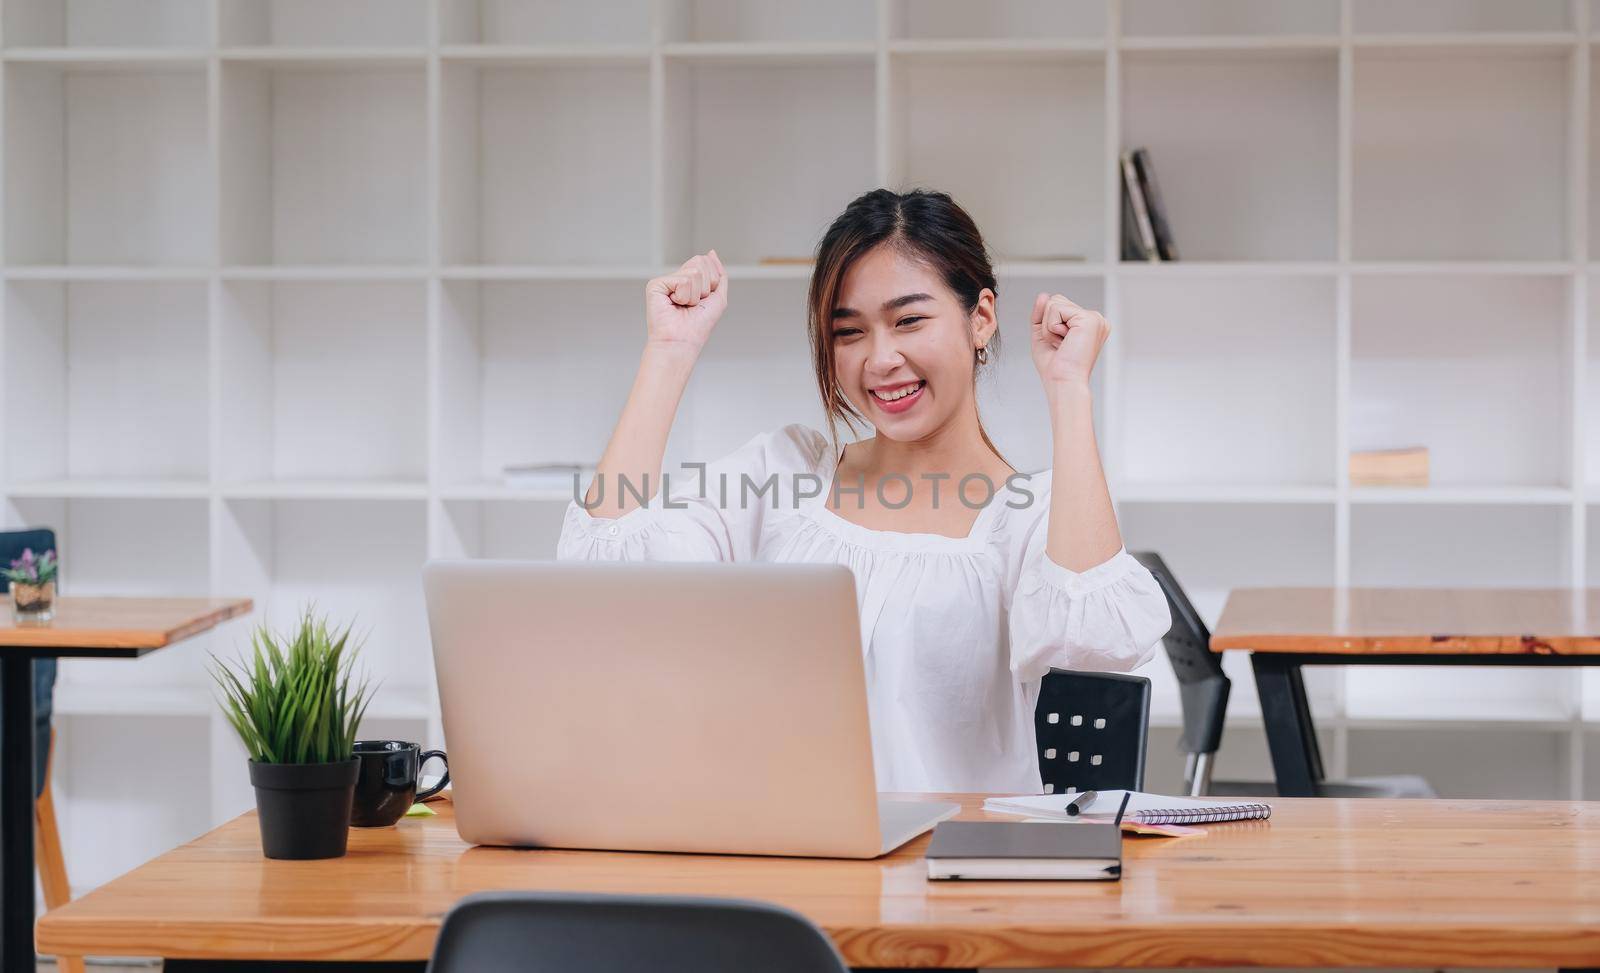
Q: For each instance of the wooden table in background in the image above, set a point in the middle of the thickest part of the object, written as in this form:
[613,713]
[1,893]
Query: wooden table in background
[1285,629]
[1324,883]
[105,628]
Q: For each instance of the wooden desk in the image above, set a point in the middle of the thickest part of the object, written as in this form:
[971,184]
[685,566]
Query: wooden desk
[1325,883]
[1286,629]
[109,628]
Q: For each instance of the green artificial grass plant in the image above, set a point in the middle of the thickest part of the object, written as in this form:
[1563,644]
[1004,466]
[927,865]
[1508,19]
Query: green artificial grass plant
[293,702]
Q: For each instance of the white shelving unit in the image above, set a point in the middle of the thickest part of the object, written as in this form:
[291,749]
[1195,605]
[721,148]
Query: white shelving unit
[288,281]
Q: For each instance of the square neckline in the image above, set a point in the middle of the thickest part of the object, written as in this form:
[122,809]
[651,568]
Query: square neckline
[827,470]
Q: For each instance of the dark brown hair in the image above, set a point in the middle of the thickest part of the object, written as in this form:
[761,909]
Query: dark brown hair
[925,225]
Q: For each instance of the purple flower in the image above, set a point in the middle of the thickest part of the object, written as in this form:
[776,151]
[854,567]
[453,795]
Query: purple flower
[31,568]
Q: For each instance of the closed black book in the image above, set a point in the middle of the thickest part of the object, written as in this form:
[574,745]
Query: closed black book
[1157,209]
[1047,850]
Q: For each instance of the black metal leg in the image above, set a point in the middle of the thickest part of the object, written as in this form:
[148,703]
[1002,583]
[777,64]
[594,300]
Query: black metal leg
[1291,736]
[16,812]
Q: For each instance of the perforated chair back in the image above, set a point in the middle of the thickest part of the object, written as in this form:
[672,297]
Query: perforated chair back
[535,932]
[1092,729]
[1203,688]
[12,544]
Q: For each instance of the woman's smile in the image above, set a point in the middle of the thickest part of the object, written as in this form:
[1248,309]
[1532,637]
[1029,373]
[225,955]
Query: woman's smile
[898,398]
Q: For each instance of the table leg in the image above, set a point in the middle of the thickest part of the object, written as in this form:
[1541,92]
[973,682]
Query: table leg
[16,812]
[1291,736]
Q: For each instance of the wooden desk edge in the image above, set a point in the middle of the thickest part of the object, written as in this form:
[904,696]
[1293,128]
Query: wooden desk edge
[46,637]
[1131,945]
[1444,644]
[966,939]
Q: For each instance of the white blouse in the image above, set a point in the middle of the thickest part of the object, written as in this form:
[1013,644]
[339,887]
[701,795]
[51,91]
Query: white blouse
[957,631]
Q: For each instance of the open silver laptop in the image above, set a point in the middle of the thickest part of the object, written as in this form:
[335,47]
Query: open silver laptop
[660,707]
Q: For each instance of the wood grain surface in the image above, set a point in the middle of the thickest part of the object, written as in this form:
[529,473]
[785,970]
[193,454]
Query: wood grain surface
[1324,883]
[1376,621]
[119,623]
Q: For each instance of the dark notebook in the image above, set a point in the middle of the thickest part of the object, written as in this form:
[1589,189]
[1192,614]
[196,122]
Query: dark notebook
[1025,850]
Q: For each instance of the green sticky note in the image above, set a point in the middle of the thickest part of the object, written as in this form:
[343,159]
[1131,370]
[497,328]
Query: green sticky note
[421,811]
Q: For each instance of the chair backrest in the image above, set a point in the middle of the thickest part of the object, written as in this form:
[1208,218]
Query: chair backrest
[532,932]
[1202,686]
[14,542]
[1092,729]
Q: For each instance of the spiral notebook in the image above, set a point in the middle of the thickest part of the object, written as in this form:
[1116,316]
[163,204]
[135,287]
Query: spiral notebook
[1143,808]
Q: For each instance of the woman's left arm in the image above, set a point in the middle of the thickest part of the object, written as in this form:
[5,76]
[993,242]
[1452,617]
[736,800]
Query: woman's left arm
[1066,343]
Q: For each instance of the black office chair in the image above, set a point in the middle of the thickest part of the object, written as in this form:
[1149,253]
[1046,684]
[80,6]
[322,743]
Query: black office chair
[1203,693]
[531,932]
[1092,729]
[12,544]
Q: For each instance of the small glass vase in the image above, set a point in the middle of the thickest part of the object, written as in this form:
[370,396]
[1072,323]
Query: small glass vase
[33,604]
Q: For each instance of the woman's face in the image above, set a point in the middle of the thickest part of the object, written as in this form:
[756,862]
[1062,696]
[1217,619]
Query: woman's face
[903,345]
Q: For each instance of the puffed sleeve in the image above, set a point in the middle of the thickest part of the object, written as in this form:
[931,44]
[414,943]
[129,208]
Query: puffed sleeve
[713,517]
[1108,618]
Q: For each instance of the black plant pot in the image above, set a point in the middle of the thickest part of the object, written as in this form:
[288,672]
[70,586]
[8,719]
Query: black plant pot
[304,808]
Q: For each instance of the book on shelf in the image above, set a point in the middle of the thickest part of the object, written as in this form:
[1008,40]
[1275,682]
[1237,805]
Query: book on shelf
[1138,234]
[545,476]
[1406,466]
[1146,170]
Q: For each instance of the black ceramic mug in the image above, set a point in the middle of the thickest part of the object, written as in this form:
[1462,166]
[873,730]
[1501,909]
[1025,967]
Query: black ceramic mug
[386,785]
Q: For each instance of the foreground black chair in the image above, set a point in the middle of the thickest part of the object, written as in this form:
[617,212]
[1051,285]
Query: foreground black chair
[534,932]
[1203,691]
[1092,729]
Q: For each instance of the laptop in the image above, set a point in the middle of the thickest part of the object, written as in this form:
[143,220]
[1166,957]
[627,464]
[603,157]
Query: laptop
[660,706]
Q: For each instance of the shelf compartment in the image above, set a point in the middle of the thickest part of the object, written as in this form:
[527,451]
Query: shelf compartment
[1459,16]
[1503,545]
[736,21]
[539,167]
[1435,364]
[1223,18]
[1213,549]
[1011,398]
[322,381]
[545,23]
[323,165]
[764,156]
[123,795]
[1230,194]
[941,100]
[106,23]
[352,560]
[1433,129]
[511,353]
[1268,341]
[324,23]
[113,378]
[1005,19]
[500,529]
[107,164]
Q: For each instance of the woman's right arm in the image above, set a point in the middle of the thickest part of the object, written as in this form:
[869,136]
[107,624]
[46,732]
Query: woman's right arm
[681,309]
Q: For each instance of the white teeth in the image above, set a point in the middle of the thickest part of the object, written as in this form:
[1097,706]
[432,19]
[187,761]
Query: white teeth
[898,393]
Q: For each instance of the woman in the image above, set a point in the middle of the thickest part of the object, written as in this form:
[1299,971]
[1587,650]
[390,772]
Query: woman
[968,594]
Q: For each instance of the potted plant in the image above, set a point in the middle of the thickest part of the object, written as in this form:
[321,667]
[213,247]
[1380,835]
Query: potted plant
[33,586]
[296,708]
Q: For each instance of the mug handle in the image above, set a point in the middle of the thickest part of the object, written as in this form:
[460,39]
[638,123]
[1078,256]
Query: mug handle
[443,781]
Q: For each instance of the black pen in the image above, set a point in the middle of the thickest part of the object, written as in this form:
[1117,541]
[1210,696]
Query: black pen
[1079,803]
[1124,807]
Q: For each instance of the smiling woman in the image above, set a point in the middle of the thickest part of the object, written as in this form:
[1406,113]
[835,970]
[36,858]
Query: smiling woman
[972,579]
